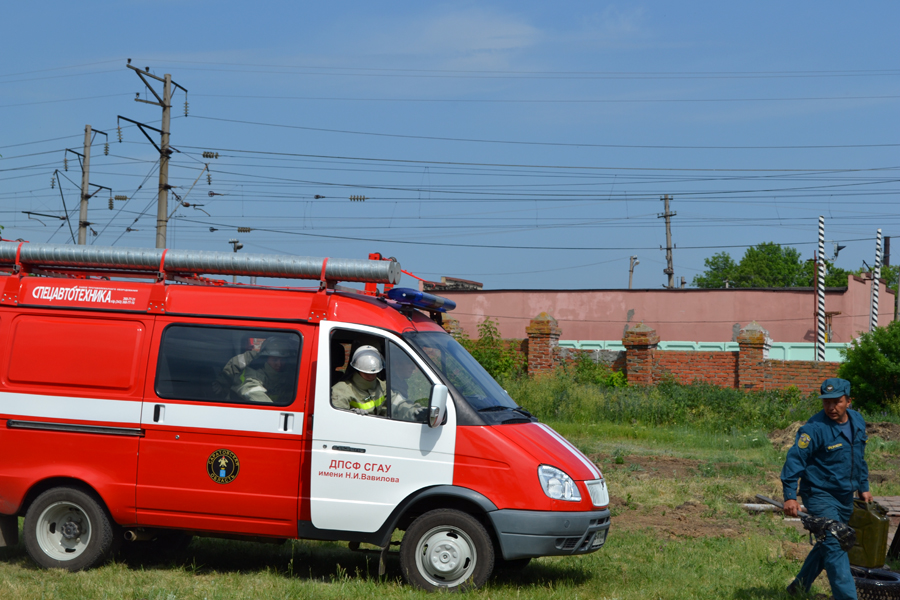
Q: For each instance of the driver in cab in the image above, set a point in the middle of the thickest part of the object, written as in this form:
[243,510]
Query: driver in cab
[364,393]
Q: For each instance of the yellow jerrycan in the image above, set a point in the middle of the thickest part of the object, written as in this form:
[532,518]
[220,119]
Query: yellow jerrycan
[871,523]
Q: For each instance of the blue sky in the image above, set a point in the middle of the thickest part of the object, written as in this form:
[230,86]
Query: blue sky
[518,144]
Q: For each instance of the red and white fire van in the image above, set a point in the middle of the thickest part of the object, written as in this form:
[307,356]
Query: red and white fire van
[141,400]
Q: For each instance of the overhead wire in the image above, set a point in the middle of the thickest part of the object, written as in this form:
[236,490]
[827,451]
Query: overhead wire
[557,144]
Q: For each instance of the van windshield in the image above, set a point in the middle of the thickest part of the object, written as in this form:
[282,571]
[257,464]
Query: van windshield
[462,371]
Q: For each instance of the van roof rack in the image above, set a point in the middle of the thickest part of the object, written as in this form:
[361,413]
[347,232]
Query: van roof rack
[24,257]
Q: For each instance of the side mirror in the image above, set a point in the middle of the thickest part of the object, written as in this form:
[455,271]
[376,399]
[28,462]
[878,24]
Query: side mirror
[437,405]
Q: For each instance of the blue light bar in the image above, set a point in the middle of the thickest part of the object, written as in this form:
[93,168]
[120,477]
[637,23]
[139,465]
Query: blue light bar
[417,299]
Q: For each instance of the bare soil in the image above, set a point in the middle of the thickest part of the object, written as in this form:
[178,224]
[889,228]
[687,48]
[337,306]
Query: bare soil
[784,438]
[684,521]
[649,467]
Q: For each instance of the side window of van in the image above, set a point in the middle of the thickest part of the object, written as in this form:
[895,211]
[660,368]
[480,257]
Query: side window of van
[228,364]
[372,376]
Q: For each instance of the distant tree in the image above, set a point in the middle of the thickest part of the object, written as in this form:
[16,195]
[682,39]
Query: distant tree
[719,269]
[766,265]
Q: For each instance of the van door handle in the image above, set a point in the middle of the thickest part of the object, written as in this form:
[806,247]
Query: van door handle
[287,423]
[348,449]
[159,413]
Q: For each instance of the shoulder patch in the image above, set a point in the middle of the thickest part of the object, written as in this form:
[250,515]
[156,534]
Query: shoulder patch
[803,441]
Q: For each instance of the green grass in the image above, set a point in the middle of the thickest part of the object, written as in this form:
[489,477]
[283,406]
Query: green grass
[679,461]
[633,565]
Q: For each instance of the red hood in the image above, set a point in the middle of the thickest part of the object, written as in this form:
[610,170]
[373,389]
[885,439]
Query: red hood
[550,448]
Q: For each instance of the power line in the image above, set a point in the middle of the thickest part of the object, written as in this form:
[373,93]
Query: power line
[565,144]
[530,166]
[63,100]
[578,74]
[553,101]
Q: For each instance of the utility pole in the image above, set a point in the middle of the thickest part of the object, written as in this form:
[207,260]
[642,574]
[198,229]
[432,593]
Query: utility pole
[669,270]
[162,203]
[85,177]
[634,262]
[165,102]
[85,160]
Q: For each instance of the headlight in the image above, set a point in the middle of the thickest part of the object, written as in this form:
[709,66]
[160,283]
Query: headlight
[557,484]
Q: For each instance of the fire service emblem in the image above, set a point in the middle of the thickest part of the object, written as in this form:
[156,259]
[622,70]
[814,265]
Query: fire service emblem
[223,466]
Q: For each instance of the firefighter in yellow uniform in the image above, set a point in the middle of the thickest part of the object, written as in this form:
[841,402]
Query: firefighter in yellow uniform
[365,394]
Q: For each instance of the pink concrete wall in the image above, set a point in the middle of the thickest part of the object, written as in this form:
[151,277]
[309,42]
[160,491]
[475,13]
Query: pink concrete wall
[677,315]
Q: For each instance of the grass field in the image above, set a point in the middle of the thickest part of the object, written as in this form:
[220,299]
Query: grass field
[677,533]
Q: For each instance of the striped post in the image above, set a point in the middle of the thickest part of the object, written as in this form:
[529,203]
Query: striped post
[820,293]
[873,315]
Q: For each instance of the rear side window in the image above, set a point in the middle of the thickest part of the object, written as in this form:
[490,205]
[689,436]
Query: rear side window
[228,364]
[89,354]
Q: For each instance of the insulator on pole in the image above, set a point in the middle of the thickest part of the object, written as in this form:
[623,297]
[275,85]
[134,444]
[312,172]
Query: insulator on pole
[110,204]
[209,178]
[65,163]
[106,149]
[357,198]
[52,182]
[209,154]
[244,229]
[121,197]
[185,105]
[119,132]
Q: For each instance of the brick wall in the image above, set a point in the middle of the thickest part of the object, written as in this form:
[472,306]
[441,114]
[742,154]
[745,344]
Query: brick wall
[717,368]
[644,364]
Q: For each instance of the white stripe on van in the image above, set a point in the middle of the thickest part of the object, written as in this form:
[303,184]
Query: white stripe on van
[69,408]
[229,418]
[197,416]
[578,454]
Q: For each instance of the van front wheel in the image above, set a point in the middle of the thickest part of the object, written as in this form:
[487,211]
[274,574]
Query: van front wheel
[446,549]
[67,528]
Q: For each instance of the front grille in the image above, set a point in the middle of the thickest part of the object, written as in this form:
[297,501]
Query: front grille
[567,543]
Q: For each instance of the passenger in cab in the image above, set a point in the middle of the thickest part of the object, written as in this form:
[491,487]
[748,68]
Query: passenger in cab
[365,394]
[263,376]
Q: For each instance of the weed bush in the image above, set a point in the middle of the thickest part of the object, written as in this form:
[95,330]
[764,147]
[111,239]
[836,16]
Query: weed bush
[707,407]
[501,358]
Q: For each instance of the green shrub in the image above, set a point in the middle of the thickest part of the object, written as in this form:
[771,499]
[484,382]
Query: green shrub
[586,371]
[499,357]
[872,366]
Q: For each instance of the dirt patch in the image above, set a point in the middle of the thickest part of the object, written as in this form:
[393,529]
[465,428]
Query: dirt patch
[889,432]
[662,467]
[684,521]
[784,438]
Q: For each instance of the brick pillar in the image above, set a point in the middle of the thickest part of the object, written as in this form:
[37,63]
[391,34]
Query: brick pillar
[640,345]
[451,326]
[754,343]
[543,342]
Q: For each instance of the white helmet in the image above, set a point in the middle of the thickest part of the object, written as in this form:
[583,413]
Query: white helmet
[367,359]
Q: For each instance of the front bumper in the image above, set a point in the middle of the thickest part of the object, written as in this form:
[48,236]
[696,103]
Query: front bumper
[529,534]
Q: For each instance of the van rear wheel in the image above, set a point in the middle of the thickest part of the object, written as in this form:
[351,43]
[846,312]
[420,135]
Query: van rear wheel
[67,528]
[446,549]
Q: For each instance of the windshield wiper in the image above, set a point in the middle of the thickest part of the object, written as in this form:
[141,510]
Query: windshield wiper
[520,409]
[494,408]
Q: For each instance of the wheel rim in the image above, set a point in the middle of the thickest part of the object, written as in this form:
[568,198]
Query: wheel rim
[446,556]
[63,531]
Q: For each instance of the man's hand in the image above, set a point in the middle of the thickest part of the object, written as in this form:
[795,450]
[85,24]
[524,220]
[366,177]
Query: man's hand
[866,496]
[791,507]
